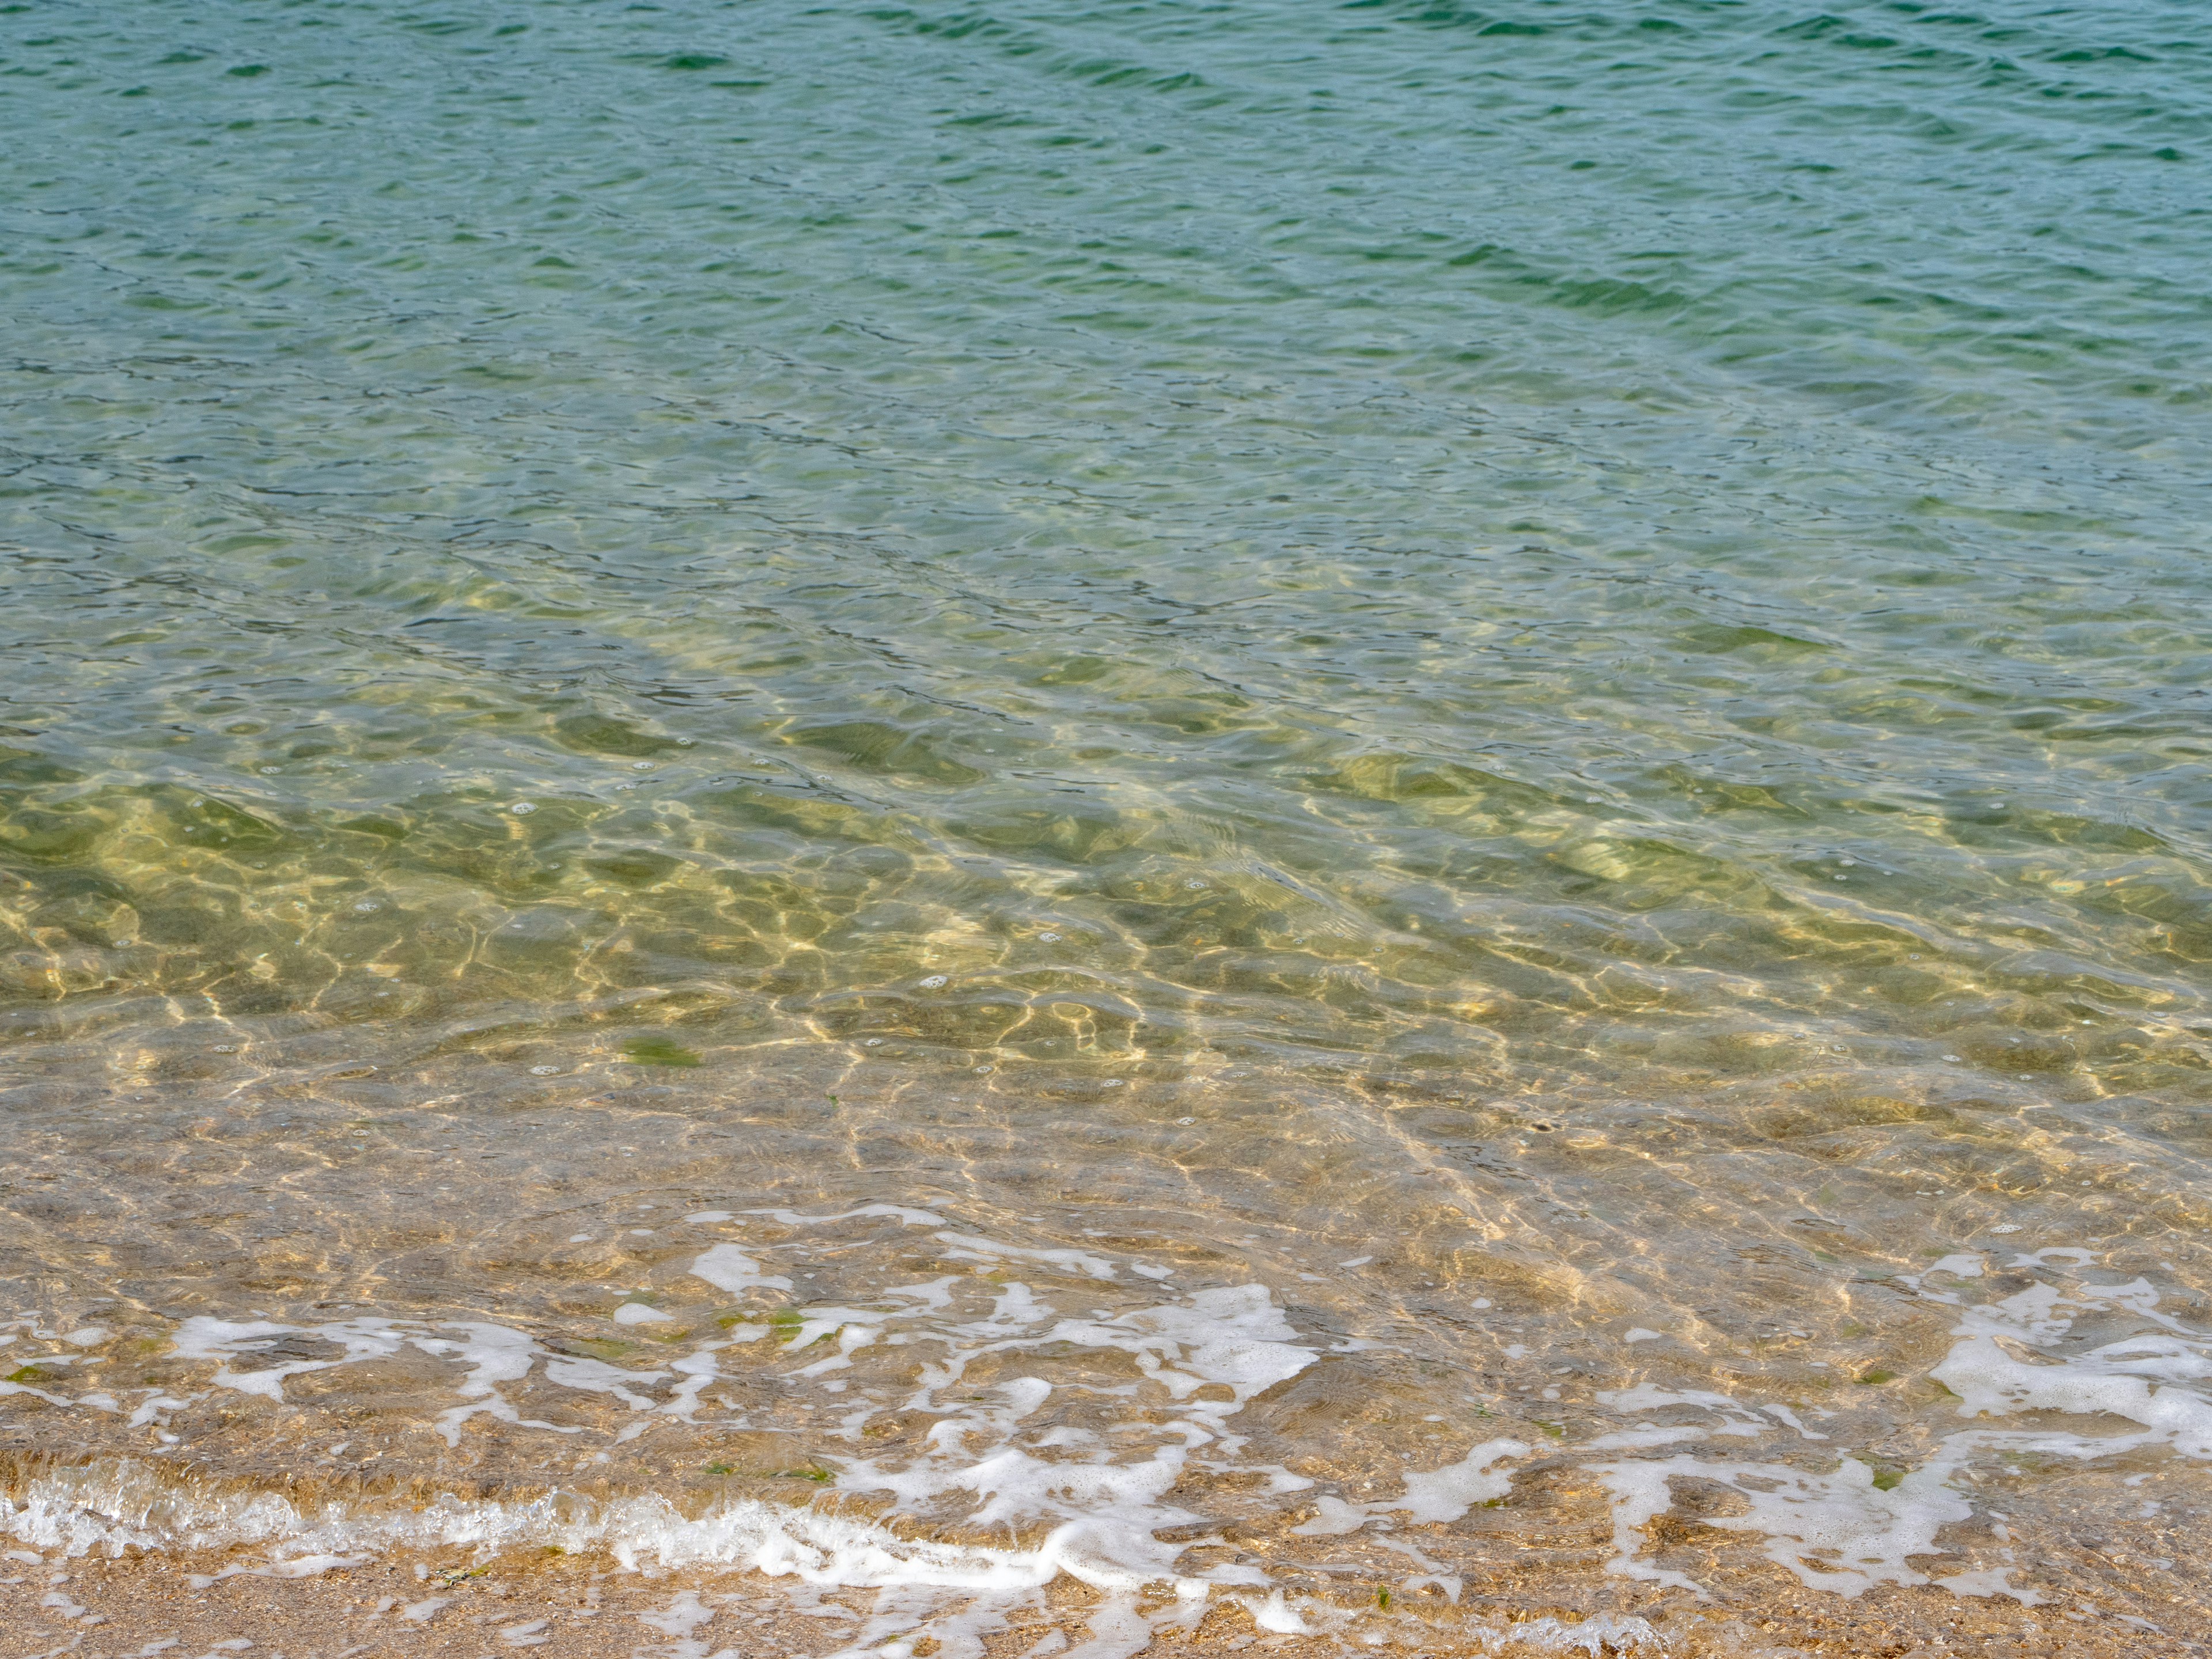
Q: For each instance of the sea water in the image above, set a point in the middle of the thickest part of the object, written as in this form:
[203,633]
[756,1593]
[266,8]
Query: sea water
[1390,818]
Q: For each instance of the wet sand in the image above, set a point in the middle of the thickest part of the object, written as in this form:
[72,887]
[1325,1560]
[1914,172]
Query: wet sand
[313,1317]
[454,1604]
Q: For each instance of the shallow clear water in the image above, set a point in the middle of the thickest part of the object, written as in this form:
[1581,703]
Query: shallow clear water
[1506,707]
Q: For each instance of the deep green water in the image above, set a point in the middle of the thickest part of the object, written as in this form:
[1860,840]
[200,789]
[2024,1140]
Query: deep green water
[1620,554]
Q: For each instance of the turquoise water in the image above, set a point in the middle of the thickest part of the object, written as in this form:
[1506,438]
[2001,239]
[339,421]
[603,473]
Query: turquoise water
[1387,581]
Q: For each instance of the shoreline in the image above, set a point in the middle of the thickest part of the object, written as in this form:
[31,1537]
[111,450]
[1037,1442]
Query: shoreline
[1535,1577]
[586,1608]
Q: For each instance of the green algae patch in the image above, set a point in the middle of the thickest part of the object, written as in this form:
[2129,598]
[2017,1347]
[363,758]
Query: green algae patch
[658,1051]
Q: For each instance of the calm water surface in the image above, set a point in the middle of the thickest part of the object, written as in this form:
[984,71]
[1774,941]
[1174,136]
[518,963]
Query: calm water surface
[1399,809]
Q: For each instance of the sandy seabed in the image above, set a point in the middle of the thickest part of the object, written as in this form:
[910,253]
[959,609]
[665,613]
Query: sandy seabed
[185,1607]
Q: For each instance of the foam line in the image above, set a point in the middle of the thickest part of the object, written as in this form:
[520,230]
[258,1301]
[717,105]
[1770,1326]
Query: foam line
[905,1216]
[726,1267]
[1835,1530]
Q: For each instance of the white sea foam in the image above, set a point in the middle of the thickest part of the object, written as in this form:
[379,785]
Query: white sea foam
[494,1355]
[952,1592]
[726,1267]
[1738,1418]
[1603,1634]
[1638,1439]
[1441,1495]
[2139,1379]
[1104,1502]
[1090,1505]
[1838,1530]
[966,1248]
[201,1338]
[899,1213]
[107,1510]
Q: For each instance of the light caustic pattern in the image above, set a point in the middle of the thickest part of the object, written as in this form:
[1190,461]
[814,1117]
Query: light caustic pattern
[1505,695]
[1061,1438]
